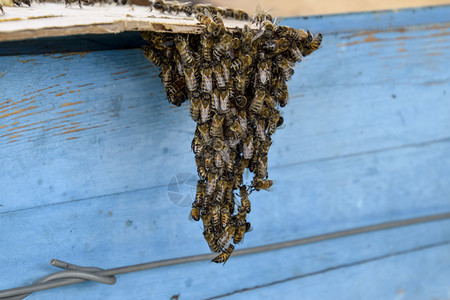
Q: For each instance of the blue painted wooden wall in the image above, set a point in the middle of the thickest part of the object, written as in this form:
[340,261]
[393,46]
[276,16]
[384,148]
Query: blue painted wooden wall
[88,146]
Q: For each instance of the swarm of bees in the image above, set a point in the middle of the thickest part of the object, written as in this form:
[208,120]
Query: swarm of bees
[235,82]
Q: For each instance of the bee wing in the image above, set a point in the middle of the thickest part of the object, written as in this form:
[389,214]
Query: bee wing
[258,35]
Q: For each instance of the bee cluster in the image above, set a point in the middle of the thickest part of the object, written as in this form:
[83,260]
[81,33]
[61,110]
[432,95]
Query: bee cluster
[236,81]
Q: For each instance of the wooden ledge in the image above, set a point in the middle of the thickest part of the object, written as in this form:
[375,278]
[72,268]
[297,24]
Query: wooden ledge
[54,19]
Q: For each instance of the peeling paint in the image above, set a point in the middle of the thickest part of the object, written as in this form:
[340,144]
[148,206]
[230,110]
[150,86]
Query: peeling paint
[66,111]
[71,103]
[25,61]
[17,111]
[119,73]
[42,89]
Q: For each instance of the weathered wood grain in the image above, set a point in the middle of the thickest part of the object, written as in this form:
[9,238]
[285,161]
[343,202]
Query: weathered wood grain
[88,146]
[54,19]
[365,106]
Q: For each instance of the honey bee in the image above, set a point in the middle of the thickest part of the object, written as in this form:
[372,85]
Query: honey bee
[296,53]
[259,184]
[312,44]
[225,215]
[201,169]
[185,52]
[242,118]
[162,42]
[218,74]
[217,18]
[223,257]
[210,239]
[197,8]
[281,94]
[214,212]
[206,219]
[240,101]
[224,101]
[241,83]
[264,71]
[217,126]
[241,228]
[216,100]
[237,14]
[152,56]
[242,213]
[211,183]
[273,122]
[258,101]
[294,35]
[230,165]
[205,20]
[277,46]
[191,81]
[236,127]
[270,101]
[225,239]
[207,45]
[245,202]
[238,181]
[286,68]
[223,46]
[207,82]
[261,167]
[260,129]
[269,28]
[260,16]
[195,213]
[178,7]
[161,6]
[204,132]
[247,148]
[177,86]
[196,145]
[205,111]
[264,147]
[207,159]
[223,149]
[218,161]
[240,64]
[226,64]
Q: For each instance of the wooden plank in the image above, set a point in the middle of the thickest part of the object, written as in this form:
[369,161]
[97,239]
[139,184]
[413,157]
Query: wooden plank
[54,19]
[133,227]
[191,280]
[352,154]
[419,274]
[362,107]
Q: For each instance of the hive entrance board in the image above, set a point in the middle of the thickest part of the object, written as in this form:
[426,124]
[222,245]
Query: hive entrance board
[54,19]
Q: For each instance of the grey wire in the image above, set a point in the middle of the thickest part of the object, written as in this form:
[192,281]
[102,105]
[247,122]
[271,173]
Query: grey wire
[72,271]
[80,274]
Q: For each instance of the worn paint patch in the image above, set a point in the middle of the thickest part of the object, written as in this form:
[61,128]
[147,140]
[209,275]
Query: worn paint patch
[71,103]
